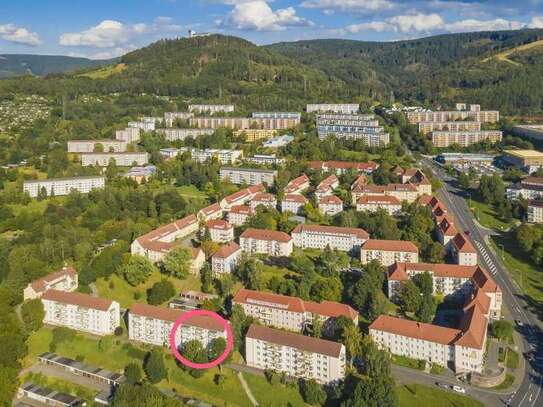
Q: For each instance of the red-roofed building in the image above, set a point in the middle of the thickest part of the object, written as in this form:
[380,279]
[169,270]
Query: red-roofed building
[298,185]
[335,237]
[341,167]
[330,205]
[264,199]
[63,280]
[446,231]
[388,252]
[402,192]
[241,197]
[462,250]
[373,203]
[210,212]
[151,324]
[293,203]
[270,242]
[327,186]
[220,230]
[239,214]
[226,259]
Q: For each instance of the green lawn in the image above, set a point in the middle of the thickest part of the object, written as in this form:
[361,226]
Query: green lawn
[526,275]
[418,395]
[408,362]
[507,383]
[190,191]
[119,290]
[512,359]
[273,395]
[486,215]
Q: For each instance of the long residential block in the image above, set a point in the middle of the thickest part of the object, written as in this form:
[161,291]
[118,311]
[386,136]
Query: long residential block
[182,134]
[342,108]
[90,146]
[206,108]
[270,242]
[334,237]
[242,123]
[388,252]
[120,159]
[63,186]
[465,138]
[249,176]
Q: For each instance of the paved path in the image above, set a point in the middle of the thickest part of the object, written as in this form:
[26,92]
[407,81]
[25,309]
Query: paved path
[247,389]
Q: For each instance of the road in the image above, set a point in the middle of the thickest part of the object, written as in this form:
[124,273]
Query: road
[530,327]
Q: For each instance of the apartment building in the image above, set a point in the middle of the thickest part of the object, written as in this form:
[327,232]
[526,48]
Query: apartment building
[360,127]
[249,176]
[182,134]
[120,159]
[152,325]
[527,160]
[243,123]
[171,117]
[157,243]
[342,108]
[129,135]
[341,167]
[279,141]
[462,251]
[63,186]
[388,252]
[264,199]
[357,120]
[327,186]
[82,312]
[90,146]
[429,127]
[239,214]
[225,260]
[139,174]
[451,280]
[489,116]
[535,211]
[63,280]
[213,211]
[442,139]
[223,156]
[446,231]
[402,192]
[373,203]
[252,135]
[298,185]
[241,197]
[277,115]
[295,355]
[211,108]
[265,159]
[334,237]
[293,203]
[270,242]
[142,125]
[528,188]
[330,205]
[220,230]
[291,313]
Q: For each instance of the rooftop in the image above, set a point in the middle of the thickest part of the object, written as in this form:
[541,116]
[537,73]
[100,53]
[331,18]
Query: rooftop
[337,230]
[41,284]
[227,250]
[524,153]
[264,234]
[390,245]
[171,315]
[79,299]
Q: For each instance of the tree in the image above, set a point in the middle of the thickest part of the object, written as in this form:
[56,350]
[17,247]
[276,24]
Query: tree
[226,284]
[128,395]
[206,278]
[463,180]
[133,373]
[316,326]
[178,262]
[154,366]
[105,343]
[409,297]
[427,309]
[137,269]
[194,351]
[33,313]
[160,292]
[312,392]
[352,339]
[424,282]
[502,329]
[249,272]
[216,349]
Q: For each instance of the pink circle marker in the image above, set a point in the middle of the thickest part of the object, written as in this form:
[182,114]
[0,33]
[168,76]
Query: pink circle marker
[211,314]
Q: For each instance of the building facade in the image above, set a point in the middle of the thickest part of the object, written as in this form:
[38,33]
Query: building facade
[535,211]
[388,252]
[243,123]
[330,205]
[128,135]
[270,242]
[211,108]
[182,134]
[120,159]
[239,214]
[342,108]
[63,186]
[225,260]
[249,176]
[293,203]
[442,139]
[90,146]
[62,280]
[373,203]
[334,237]
[220,230]
[527,160]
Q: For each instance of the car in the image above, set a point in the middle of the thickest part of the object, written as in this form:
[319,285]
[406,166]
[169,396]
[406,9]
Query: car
[443,385]
[519,322]
[459,389]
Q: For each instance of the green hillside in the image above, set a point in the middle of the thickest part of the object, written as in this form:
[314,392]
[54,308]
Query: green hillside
[19,64]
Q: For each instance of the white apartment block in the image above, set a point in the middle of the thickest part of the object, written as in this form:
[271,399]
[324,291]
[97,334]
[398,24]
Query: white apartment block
[220,230]
[62,280]
[213,211]
[81,312]
[90,146]
[249,176]
[120,159]
[293,203]
[270,242]
[264,199]
[334,237]
[330,205]
[241,197]
[294,354]
[171,117]
[63,186]
[143,125]
[298,185]
[291,313]
[530,188]
[343,108]
[211,108]
[341,167]
[388,252]
[277,115]
[327,186]
[451,280]
[243,123]
[373,203]
[152,325]
[359,127]
[223,156]
[128,135]
[535,211]
[169,152]
[225,260]
[489,116]
[429,127]
[466,138]
[182,134]
[238,214]
[157,243]
[265,159]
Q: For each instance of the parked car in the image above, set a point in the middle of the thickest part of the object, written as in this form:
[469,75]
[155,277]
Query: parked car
[459,389]
[443,385]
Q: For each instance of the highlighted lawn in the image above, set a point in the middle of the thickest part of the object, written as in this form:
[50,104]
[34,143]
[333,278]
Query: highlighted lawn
[419,395]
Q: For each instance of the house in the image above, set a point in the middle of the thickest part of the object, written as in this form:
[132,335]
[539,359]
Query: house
[297,185]
[264,199]
[226,259]
[220,230]
[388,252]
[239,214]
[62,280]
[373,203]
[293,203]
[270,242]
[330,205]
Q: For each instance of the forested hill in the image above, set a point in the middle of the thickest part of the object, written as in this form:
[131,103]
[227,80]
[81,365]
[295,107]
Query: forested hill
[21,64]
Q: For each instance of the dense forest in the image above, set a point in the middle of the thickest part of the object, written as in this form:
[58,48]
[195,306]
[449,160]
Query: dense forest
[495,69]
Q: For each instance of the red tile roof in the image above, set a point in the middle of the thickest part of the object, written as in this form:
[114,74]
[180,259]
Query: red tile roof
[79,299]
[208,210]
[242,209]
[358,232]
[327,183]
[297,183]
[218,224]
[153,240]
[227,250]
[462,244]
[330,200]
[298,341]
[390,245]
[170,314]
[343,165]
[264,197]
[264,234]
[379,199]
[41,284]
[473,326]
[295,198]
[359,183]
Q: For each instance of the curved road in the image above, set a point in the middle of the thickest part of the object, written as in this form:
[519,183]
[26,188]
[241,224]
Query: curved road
[530,328]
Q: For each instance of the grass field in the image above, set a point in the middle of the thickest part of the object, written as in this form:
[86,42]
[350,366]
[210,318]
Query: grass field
[504,56]
[507,383]
[105,72]
[486,215]
[273,395]
[119,290]
[191,192]
[423,396]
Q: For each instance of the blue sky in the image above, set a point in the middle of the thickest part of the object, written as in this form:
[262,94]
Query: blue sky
[104,29]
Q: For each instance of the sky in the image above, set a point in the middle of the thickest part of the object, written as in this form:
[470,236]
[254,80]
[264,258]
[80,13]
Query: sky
[101,29]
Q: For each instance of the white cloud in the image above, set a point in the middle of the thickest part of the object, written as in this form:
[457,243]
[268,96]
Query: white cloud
[416,22]
[19,35]
[378,26]
[111,33]
[483,25]
[536,22]
[348,5]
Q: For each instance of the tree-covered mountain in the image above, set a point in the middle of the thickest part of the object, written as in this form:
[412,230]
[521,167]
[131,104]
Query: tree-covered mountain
[21,64]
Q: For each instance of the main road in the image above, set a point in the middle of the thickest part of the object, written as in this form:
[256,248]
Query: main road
[527,323]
